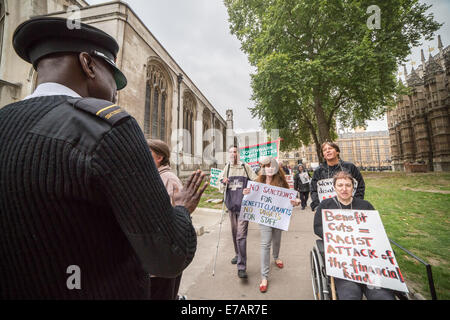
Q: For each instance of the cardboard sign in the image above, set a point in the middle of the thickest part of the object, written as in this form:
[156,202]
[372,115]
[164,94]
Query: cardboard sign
[304,178]
[268,205]
[357,249]
[290,180]
[325,188]
[214,177]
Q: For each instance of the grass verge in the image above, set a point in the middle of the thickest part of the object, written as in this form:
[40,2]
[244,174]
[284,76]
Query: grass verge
[418,221]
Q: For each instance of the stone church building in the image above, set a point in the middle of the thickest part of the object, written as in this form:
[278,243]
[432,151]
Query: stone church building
[419,126]
[159,94]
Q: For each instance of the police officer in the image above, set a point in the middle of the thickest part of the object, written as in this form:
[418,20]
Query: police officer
[83,211]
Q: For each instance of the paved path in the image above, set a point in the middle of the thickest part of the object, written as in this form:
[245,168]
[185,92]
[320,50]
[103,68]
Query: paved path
[293,282]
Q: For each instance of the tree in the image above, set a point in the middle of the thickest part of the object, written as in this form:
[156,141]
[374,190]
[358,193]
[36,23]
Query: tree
[318,61]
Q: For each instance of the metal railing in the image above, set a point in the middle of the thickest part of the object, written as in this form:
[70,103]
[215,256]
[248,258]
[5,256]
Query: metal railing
[427,266]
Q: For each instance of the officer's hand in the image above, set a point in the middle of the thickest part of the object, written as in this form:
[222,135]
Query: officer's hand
[190,195]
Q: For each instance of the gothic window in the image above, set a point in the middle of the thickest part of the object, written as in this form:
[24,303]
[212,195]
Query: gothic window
[148,91]
[156,103]
[189,107]
[206,126]
[155,117]
[162,130]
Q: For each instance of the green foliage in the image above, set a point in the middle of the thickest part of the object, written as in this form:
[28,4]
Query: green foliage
[318,62]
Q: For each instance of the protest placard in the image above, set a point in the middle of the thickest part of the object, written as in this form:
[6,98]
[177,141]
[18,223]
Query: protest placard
[214,177]
[268,205]
[252,154]
[304,177]
[290,180]
[325,188]
[358,249]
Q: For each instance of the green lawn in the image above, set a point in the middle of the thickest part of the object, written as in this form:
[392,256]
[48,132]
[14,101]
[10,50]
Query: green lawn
[418,221]
[210,193]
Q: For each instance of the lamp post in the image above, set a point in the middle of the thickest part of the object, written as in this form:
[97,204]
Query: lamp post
[214,140]
[179,79]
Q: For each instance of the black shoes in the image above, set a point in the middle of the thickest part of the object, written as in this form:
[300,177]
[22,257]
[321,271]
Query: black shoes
[242,274]
[234,260]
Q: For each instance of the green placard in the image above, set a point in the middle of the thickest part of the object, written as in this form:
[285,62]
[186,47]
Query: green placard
[252,154]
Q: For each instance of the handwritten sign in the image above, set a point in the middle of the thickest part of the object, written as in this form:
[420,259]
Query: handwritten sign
[325,188]
[304,178]
[268,205]
[214,177]
[357,249]
[290,180]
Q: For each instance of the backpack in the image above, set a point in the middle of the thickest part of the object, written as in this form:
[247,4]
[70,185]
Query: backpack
[234,195]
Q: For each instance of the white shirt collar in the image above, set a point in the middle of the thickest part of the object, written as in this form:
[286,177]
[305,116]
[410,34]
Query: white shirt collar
[52,89]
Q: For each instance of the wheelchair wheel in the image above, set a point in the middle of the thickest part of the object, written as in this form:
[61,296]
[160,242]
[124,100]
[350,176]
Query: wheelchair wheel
[316,276]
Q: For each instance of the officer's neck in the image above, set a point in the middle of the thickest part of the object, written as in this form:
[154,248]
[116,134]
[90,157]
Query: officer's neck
[62,70]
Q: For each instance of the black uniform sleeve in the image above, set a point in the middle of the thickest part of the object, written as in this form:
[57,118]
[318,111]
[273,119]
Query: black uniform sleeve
[162,236]
[314,196]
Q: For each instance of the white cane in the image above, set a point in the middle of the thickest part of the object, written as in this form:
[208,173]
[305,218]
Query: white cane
[220,228]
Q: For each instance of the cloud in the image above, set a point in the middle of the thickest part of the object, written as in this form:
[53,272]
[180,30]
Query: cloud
[196,34]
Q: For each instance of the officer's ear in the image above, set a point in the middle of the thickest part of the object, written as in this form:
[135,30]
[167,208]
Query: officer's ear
[87,64]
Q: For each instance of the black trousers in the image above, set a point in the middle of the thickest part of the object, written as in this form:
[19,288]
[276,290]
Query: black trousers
[349,290]
[165,288]
[304,198]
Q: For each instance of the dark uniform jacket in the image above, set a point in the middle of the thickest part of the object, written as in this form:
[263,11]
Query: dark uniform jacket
[78,187]
[324,172]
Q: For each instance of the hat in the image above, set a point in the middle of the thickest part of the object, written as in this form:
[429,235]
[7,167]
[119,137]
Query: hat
[38,37]
[265,160]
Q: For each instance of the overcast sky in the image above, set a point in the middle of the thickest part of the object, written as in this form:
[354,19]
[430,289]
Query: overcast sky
[196,34]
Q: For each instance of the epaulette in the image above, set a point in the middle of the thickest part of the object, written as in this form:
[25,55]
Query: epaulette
[104,109]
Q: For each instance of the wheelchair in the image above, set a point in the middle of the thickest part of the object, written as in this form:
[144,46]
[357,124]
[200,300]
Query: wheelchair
[321,283]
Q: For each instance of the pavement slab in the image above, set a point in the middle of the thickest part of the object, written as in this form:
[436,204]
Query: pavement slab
[293,282]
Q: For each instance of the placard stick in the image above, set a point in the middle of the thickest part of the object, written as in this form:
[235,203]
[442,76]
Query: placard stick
[333,289]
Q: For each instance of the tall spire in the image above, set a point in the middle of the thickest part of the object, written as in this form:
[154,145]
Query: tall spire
[440,46]
[405,71]
[422,57]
